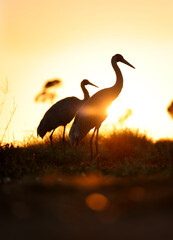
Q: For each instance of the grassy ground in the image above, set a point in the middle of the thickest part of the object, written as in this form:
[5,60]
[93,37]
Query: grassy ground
[46,194]
[123,153]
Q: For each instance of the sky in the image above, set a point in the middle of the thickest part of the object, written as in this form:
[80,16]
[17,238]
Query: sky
[73,40]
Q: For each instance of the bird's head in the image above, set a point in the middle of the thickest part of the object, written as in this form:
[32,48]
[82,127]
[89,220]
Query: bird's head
[119,58]
[86,82]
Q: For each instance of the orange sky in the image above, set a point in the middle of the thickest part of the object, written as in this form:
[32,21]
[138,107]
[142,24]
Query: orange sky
[76,39]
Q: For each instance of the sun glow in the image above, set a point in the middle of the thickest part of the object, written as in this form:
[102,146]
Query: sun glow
[76,40]
[115,111]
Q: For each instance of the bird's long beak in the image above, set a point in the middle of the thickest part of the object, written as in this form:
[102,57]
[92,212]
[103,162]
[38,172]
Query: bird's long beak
[127,63]
[92,84]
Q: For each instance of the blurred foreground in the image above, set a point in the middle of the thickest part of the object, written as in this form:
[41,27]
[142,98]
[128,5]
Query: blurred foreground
[118,208]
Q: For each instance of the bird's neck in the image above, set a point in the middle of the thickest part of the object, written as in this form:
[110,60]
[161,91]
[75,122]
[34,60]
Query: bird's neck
[119,80]
[85,93]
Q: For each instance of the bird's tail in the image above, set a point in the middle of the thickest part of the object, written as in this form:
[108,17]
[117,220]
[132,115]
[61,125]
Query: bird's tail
[41,130]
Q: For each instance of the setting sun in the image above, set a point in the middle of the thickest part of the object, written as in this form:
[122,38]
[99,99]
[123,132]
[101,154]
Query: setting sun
[115,111]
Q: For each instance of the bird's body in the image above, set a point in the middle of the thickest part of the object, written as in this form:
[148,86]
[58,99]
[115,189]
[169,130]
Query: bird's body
[62,112]
[60,118]
[91,115]
[94,111]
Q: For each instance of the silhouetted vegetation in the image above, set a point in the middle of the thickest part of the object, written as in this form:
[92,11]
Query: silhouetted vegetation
[47,93]
[42,187]
[170,109]
[123,153]
[4,92]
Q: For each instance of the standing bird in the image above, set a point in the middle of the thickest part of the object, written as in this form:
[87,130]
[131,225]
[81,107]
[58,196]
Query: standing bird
[62,112]
[94,111]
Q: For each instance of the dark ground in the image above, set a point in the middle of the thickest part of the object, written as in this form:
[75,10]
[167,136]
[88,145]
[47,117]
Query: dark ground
[54,207]
[46,195]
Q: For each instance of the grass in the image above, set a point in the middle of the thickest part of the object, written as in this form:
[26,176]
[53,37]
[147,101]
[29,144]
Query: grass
[122,154]
[42,187]
[4,92]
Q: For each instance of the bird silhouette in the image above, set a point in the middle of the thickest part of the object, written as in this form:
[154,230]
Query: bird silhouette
[62,112]
[94,111]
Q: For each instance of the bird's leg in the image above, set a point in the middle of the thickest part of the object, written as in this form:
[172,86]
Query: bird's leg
[64,140]
[91,141]
[64,135]
[96,141]
[51,138]
[96,145]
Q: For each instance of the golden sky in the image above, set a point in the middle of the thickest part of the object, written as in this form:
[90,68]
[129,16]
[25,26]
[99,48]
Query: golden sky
[72,40]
